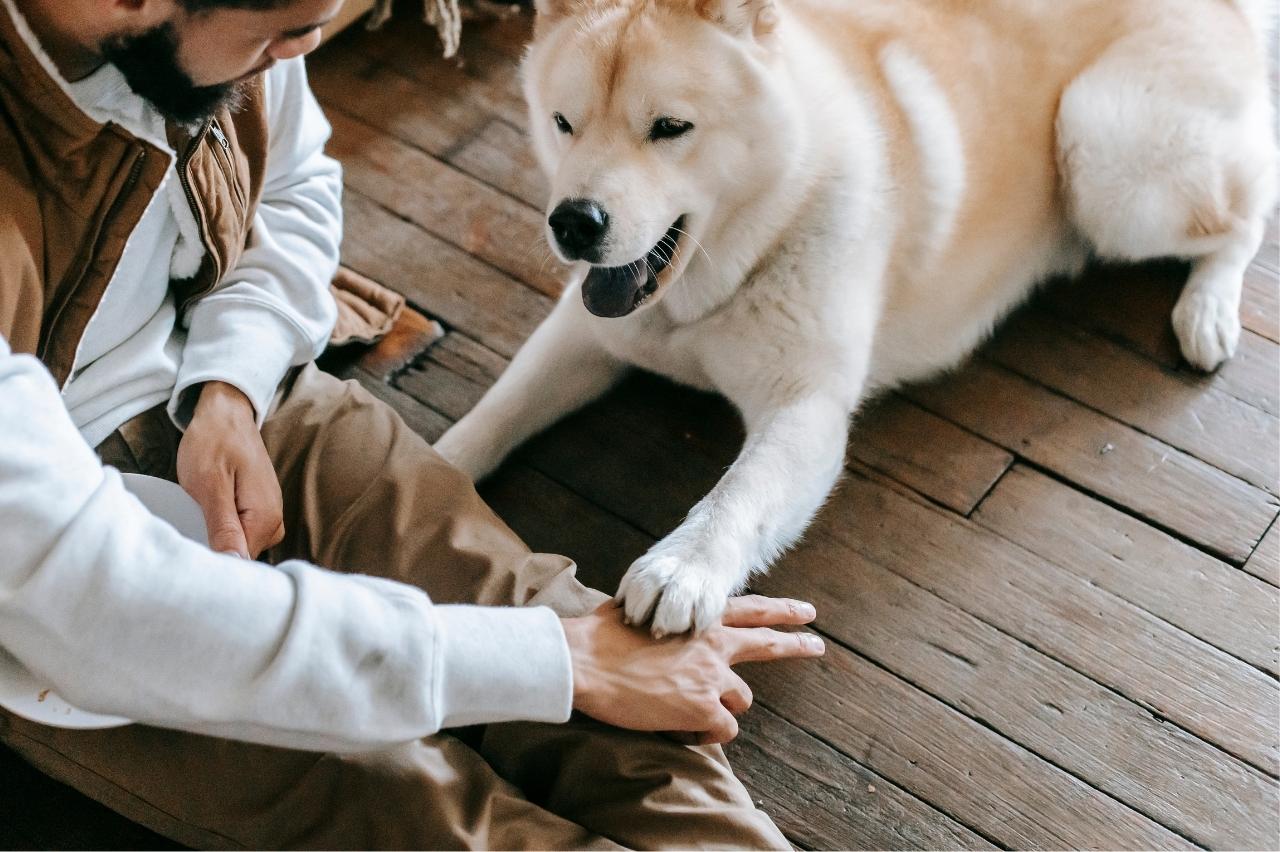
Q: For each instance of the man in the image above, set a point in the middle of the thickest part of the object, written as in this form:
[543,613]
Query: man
[168,228]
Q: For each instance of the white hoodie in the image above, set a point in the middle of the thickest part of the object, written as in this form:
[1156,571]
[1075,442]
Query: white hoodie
[119,613]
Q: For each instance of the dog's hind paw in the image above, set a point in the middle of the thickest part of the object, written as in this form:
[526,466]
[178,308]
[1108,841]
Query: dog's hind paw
[674,595]
[1208,328]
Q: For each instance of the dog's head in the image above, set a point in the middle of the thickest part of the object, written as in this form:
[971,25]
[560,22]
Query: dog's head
[654,120]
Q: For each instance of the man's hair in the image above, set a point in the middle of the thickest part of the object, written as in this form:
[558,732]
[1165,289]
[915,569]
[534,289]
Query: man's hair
[196,6]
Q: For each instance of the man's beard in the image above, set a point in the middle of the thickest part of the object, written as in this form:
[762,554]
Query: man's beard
[150,65]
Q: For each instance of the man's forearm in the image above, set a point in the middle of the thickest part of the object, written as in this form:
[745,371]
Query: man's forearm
[124,616]
[274,310]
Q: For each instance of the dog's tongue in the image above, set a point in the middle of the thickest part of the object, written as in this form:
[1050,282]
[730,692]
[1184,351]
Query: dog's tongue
[617,290]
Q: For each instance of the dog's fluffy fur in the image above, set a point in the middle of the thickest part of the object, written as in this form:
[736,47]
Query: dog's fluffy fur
[868,188]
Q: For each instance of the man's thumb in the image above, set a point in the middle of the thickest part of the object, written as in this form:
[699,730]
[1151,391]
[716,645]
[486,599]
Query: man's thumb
[223,523]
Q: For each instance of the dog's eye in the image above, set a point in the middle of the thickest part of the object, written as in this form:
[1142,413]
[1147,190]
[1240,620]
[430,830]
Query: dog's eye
[562,124]
[669,128]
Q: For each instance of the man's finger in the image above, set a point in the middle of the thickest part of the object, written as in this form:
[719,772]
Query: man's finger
[261,507]
[262,529]
[724,728]
[222,521]
[737,696]
[760,644]
[760,611]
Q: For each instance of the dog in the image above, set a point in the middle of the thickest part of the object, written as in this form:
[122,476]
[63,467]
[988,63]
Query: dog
[803,203]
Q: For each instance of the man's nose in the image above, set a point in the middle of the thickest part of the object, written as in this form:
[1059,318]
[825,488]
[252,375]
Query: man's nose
[300,46]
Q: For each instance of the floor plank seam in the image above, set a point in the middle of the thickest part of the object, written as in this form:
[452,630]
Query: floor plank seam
[992,487]
[379,65]
[1254,552]
[915,491]
[1133,513]
[1273,491]
[450,151]
[1114,504]
[498,189]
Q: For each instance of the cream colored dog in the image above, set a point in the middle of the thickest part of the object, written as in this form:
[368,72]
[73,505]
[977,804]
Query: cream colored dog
[803,202]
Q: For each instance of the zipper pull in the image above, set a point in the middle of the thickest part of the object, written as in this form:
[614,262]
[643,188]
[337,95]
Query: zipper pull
[217,134]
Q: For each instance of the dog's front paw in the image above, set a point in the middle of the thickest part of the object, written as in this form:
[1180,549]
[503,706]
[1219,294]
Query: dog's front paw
[675,593]
[1208,328]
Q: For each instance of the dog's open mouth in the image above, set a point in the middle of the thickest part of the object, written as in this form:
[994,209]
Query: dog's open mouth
[615,291]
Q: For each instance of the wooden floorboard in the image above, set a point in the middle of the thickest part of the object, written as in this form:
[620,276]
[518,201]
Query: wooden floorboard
[1184,411]
[1147,568]
[1049,582]
[825,800]
[1131,306]
[1156,480]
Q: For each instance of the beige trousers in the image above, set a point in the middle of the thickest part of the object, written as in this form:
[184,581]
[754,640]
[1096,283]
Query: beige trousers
[362,492]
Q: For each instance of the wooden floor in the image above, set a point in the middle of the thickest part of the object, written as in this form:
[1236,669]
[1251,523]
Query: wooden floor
[1048,584]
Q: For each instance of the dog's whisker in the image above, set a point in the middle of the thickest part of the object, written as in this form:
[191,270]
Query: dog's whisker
[666,249]
[696,243]
[675,251]
[548,258]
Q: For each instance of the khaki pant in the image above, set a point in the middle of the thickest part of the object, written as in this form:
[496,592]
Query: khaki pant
[362,492]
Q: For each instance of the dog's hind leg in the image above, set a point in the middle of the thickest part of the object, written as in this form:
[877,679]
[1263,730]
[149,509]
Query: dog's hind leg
[558,370]
[1166,149]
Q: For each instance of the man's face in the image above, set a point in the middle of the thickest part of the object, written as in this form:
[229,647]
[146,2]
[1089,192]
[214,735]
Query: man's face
[192,64]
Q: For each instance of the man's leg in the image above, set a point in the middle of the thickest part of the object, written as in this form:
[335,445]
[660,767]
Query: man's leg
[212,793]
[219,794]
[365,493]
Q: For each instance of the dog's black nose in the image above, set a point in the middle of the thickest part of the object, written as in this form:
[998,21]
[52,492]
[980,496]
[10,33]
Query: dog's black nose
[579,227]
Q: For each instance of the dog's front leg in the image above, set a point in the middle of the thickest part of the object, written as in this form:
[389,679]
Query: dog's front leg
[559,369]
[792,456]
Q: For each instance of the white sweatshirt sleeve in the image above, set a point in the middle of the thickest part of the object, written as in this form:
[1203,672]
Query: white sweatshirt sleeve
[122,615]
[274,310]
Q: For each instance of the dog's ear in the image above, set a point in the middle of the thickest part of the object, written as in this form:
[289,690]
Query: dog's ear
[751,18]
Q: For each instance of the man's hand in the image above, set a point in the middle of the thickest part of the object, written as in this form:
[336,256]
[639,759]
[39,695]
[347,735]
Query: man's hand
[625,677]
[224,465]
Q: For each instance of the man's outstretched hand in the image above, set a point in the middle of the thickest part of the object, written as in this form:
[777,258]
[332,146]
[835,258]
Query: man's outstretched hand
[625,677]
[224,465]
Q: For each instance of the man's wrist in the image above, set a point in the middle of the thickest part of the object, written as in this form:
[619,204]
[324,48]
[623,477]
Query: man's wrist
[577,637]
[223,401]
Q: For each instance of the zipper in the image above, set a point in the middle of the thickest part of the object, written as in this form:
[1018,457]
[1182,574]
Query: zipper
[183,162]
[135,173]
[217,134]
[229,161]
